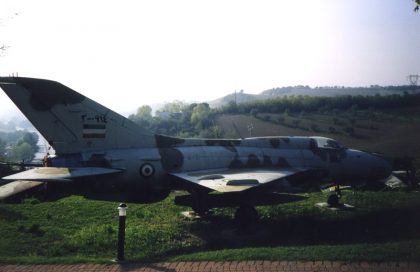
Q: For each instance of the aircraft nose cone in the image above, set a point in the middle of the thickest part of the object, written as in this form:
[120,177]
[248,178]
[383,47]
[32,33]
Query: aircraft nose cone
[378,167]
[369,166]
[381,169]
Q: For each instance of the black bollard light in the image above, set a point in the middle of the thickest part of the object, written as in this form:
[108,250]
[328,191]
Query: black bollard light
[122,211]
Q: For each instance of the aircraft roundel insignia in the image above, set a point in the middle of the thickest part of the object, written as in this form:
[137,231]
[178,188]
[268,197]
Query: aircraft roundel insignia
[147,170]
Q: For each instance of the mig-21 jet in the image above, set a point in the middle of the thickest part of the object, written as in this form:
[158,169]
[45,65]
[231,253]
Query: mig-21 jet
[103,155]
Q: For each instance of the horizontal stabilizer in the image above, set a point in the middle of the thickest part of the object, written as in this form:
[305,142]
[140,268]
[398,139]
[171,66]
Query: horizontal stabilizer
[16,187]
[60,174]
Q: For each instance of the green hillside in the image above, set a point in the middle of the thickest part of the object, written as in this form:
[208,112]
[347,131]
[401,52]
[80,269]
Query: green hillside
[394,134]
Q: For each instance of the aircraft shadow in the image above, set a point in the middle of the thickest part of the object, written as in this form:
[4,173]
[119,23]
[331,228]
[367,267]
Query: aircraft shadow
[389,225]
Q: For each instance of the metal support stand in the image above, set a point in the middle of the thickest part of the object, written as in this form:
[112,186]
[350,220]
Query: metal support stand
[122,208]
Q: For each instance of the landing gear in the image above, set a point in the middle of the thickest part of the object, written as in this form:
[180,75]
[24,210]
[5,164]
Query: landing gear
[334,199]
[333,202]
[200,210]
[199,204]
[246,216]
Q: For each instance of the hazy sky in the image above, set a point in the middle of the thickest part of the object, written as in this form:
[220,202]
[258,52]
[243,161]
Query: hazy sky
[128,53]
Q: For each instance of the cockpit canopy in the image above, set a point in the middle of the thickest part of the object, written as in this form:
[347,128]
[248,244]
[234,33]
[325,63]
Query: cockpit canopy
[322,142]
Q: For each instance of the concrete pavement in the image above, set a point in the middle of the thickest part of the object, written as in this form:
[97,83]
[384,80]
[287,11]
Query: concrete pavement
[249,266]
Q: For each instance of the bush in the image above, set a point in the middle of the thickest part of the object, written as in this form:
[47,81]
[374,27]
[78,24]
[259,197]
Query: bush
[349,131]
[315,128]
[254,112]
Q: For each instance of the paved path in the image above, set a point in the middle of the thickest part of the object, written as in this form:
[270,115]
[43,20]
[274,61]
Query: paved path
[248,266]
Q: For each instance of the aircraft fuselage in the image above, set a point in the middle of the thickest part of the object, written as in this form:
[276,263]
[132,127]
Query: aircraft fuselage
[149,167]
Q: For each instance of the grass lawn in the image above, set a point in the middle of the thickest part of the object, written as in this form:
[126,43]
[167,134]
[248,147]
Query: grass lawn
[385,226]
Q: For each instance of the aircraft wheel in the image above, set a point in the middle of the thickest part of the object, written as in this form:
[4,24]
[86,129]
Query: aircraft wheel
[200,209]
[246,216]
[333,200]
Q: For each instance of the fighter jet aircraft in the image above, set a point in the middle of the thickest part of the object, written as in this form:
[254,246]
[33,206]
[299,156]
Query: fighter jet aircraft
[103,155]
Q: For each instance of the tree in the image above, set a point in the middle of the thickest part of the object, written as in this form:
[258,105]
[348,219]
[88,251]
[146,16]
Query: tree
[211,132]
[2,147]
[22,153]
[254,112]
[173,107]
[31,139]
[349,131]
[315,128]
[143,116]
[200,115]
[144,112]
[232,107]
[371,116]
[353,109]
[302,114]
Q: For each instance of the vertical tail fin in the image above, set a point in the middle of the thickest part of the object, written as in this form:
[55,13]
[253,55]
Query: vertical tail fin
[70,121]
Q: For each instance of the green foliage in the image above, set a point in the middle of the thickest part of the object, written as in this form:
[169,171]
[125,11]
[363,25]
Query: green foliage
[2,148]
[353,109]
[254,112]
[22,145]
[30,138]
[315,128]
[211,132]
[22,153]
[143,116]
[91,239]
[349,130]
[297,104]
[200,115]
[232,108]
[173,107]
[178,119]
[302,114]
[296,122]
[144,112]
[332,130]
[195,120]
